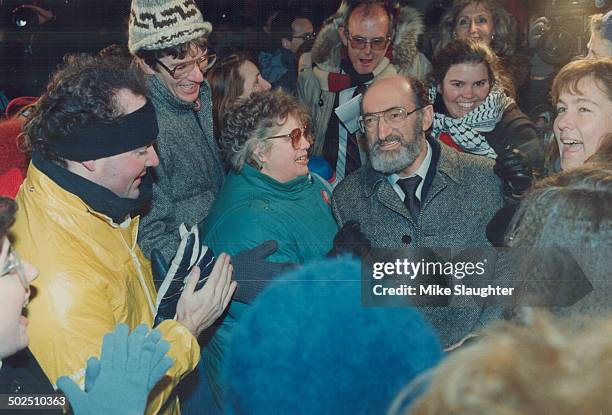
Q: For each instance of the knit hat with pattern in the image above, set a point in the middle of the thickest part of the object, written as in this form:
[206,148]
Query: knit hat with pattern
[160,24]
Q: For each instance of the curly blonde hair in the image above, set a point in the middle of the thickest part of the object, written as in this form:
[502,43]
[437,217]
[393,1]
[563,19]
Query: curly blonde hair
[549,366]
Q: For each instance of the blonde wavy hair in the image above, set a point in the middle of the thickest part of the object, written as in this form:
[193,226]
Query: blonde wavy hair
[548,366]
[504,25]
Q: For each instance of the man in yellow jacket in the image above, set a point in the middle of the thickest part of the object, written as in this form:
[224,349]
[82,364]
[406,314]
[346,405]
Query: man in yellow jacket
[92,136]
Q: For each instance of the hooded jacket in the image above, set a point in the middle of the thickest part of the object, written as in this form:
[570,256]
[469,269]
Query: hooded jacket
[326,56]
[92,275]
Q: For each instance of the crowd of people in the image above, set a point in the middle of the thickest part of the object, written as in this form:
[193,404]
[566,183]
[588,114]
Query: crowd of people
[188,223]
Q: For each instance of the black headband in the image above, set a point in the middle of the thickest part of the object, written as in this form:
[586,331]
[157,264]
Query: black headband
[101,139]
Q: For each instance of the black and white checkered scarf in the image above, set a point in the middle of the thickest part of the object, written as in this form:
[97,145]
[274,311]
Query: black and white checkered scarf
[466,131]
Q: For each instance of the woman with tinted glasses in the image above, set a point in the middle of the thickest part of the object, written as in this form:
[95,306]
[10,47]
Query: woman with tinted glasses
[268,195]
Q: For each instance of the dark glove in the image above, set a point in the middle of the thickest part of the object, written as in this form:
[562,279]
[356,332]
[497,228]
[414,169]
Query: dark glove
[515,171]
[159,267]
[253,272]
[189,253]
[350,240]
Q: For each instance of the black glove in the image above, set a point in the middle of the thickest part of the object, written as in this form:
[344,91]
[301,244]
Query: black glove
[253,272]
[350,240]
[515,171]
[190,253]
[159,267]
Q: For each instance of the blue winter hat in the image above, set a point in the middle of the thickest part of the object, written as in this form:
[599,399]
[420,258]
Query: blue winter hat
[308,346]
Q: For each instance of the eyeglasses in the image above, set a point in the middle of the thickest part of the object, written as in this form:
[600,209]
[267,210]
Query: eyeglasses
[306,36]
[395,117]
[13,264]
[296,135]
[360,42]
[182,70]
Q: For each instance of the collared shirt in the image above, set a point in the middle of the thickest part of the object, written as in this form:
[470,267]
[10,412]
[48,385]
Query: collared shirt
[421,172]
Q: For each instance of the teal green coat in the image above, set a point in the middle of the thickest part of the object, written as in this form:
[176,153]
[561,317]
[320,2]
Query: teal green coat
[253,208]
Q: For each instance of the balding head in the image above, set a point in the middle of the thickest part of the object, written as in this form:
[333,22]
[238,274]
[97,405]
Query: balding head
[366,22]
[396,88]
[373,11]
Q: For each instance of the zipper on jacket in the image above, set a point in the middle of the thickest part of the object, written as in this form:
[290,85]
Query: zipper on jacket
[140,276]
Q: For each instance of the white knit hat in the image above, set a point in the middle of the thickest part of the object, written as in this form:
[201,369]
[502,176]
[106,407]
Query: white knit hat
[160,24]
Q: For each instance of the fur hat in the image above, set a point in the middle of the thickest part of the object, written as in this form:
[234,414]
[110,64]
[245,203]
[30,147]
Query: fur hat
[407,22]
[309,346]
[160,24]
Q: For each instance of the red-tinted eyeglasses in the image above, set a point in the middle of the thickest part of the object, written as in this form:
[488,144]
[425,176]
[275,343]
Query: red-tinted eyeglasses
[296,135]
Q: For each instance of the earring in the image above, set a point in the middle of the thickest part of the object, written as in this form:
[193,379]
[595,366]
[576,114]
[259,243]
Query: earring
[492,37]
[255,162]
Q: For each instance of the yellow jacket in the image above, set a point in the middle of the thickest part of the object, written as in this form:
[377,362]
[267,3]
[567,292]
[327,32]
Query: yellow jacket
[92,276]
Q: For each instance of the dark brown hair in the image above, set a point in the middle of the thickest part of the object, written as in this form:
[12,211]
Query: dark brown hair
[600,70]
[82,90]
[226,85]
[150,57]
[459,51]
[8,207]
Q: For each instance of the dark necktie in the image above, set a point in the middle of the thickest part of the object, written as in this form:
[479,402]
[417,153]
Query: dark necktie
[409,186]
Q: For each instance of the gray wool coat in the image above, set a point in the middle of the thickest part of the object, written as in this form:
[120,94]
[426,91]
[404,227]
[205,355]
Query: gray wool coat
[463,196]
[190,172]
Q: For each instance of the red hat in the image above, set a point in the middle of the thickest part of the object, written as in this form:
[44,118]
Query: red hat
[18,103]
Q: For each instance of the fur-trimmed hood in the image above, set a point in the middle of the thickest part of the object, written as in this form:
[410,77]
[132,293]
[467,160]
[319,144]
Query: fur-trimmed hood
[408,26]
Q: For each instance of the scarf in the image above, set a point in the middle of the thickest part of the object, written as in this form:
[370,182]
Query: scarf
[466,131]
[338,81]
[98,198]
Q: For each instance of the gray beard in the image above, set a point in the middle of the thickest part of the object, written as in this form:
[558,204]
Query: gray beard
[388,162]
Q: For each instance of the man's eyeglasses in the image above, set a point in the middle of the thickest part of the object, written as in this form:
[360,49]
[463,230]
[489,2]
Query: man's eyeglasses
[395,117]
[306,36]
[13,264]
[360,42]
[296,135]
[182,70]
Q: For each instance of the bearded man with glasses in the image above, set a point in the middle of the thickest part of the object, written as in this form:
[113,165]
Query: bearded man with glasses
[416,192]
[362,42]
